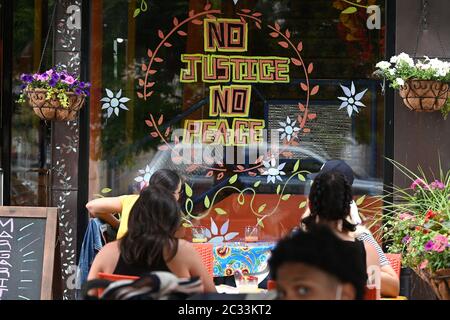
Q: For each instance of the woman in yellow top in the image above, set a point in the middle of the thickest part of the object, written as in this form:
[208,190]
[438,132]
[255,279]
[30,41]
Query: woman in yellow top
[105,208]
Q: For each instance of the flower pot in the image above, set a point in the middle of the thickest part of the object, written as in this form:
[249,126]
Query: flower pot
[52,109]
[424,95]
[439,281]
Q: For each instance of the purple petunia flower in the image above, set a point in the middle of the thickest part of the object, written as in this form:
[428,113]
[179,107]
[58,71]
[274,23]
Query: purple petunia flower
[52,82]
[406,240]
[78,91]
[429,245]
[26,78]
[62,76]
[82,84]
[437,185]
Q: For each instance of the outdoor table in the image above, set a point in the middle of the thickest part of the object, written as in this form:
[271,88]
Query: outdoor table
[248,257]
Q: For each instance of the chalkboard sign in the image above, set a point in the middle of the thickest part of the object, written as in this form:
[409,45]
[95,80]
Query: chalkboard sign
[27,252]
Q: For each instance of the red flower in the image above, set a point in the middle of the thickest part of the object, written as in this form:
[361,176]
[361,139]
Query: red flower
[418,228]
[430,215]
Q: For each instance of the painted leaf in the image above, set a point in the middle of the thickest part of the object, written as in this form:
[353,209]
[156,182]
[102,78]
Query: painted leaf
[188,190]
[207,202]
[160,120]
[105,190]
[210,174]
[360,200]
[218,239]
[197,22]
[258,25]
[262,207]
[278,189]
[220,211]
[260,223]
[152,71]
[149,53]
[160,34]
[301,177]
[310,67]
[304,86]
[149,94]
[312,116]
[163,147]
[140,95]
[285,197]
[274,34]
[150,84]
[158,59]
[251,173]
[207,7]
[208,233]
[240,167]
[141,82]
[191,13]
[175,21]
[315,90]
[257,183]
[300,46]
[136,12]
[233,179]
[154,134]
[301,107]
[296,62]
[297,164]
[349,10]
[167,44]
[306,130]
[287,33]
[231,235]
[144,67]
[224,228]
[149,123]
[284,44]
[214,230]
[182,33]
[257,14]
[277,26]
[187,225]
[220,176]
[302,205]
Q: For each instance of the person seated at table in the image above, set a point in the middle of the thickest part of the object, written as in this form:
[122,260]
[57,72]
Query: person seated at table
[390,282]
[105,208]
[329,204]
[317,265]
[150,244]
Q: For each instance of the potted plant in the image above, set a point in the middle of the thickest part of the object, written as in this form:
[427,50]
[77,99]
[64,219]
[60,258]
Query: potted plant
[422,85]
[417,225]
[54,95]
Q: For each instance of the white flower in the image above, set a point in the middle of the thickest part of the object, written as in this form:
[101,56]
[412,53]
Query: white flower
[400,81]
[113,103]
[219,238]
[402,57]
[392,71]
[383,65]
[351,101]
[288,129]
[273,171]
[144,178]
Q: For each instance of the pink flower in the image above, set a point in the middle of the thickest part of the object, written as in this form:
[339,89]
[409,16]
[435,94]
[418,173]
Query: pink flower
[437,185]
[423,264]
[405,216]
[49,72]
[42,77]
[440,243]
[419,182]
[69,80]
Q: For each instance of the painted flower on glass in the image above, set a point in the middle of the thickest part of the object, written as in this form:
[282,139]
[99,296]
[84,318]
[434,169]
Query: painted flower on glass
[214,231]
[144,178]
[273,171]
[288,129]
[113,103]
[351,101]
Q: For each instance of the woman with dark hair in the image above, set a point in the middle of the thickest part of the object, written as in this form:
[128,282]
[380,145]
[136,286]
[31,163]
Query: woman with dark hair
[105,208]
[329,204]
[150,243]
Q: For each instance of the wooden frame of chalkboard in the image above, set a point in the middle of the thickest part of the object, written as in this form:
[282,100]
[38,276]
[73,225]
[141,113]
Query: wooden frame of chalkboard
[51,226]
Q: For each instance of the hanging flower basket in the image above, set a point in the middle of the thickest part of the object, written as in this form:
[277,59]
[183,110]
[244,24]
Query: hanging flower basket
[423,84]
[54,95]
[51,109]
[424,95]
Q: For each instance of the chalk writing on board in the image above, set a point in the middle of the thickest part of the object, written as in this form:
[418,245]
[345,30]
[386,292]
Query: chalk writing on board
[5,254]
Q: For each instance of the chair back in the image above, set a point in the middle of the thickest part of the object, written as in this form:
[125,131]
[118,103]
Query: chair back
[113,277]
[205,250]
[395,260]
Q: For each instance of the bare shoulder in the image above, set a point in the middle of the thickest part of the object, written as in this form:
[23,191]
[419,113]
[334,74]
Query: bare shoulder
[110,249]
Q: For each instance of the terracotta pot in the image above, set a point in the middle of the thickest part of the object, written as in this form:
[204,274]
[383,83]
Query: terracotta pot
[439,281]
[424,95]
[52,109]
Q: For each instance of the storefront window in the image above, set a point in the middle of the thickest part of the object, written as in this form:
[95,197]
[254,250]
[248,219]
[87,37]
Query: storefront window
[301,69]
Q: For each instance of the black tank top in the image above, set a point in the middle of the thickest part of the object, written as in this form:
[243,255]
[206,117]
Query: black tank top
[126,269]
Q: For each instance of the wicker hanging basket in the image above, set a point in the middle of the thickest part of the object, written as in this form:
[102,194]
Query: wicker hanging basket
[424,95]
[51,109]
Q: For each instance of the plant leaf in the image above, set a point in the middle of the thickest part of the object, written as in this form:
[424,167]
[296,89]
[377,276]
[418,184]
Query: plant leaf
[349,10]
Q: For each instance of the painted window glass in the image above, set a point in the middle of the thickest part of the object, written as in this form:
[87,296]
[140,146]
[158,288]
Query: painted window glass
[300,70]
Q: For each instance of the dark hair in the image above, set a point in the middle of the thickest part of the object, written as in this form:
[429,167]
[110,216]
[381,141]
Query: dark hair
[166,178]
[329,199]
[152,223]
[321,248]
